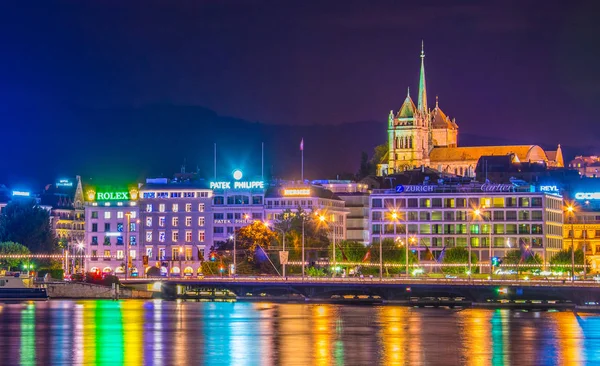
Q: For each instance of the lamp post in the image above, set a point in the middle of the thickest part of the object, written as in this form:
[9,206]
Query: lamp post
[303,246]
[180,253]
[128,214]
[283,235]
[570,211]
[478,213]
[81,247]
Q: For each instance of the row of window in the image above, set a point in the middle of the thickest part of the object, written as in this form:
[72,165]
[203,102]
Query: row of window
[119,254]
[476,242]
[107,227]
[520,215]
[175,207]
[289,203]
[238,200]
[175,221]
[584,234]
[470,202]
[175,236]
[237,216]
[201,194]
[176,254]
[118,240]
[120,214]
[460,229]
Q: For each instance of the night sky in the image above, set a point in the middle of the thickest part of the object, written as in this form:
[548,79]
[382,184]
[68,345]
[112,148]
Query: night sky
[522,71]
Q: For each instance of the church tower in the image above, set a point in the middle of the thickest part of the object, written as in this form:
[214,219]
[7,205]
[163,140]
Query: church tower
[409,130]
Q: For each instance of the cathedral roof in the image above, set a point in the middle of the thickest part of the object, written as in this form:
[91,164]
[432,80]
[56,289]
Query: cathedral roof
[523,153]
[440,120]
[408,108]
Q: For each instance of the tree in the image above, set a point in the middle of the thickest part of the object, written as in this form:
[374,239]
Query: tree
[516,256]
[365,166]
[253,236]
[379,154]
[459,255]
[28,224]
[393,253]
[11,248]
[562,260]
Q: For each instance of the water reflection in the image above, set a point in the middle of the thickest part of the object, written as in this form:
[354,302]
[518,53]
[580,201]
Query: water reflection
[163,333]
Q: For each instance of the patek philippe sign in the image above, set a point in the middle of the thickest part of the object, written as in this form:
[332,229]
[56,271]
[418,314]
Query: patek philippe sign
[64,183]
[237,183]
[236,221]
[489,187]
[414,189]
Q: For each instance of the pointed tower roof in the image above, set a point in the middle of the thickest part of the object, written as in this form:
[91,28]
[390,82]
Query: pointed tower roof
[440,120]
[408,108]
[422,103]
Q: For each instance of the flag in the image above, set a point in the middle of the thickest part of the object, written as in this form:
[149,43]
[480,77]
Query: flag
[302,145]
[441,256]
[428,254]
[367,256]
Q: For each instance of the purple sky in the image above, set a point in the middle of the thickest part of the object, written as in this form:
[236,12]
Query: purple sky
[501,68]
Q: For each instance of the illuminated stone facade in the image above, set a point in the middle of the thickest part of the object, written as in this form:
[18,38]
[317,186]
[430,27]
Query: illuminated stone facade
[583,229]
[419,136]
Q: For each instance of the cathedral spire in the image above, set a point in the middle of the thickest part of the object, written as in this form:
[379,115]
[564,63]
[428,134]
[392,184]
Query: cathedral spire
[422,103]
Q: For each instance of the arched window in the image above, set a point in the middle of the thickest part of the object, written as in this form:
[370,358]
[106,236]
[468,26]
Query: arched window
[410,143]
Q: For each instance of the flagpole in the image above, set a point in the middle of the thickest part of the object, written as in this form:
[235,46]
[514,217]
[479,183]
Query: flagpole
[302,165]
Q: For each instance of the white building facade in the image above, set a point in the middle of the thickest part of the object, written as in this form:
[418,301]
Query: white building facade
[435,217]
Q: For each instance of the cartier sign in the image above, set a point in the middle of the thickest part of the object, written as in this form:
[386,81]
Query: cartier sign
[489,187]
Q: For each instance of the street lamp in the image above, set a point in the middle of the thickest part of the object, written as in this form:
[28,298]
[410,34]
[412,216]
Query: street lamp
[323,219]
[80,246]
[571,211]
[477,212]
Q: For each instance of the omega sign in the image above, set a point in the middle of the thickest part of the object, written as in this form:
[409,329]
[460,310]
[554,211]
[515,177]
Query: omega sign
[587,196]
[488,187]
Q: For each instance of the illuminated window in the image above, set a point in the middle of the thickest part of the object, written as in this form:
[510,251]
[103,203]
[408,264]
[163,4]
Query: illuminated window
[133,214]
[175,221]
[132,254]
[161,207]
[149,252]
[175,253]
[119,214]
[161,236]
[188,254]
[188,236]
[107,214]
[161,221]
[148,221]
[175,236]
[120,254]
[201,221]
[161,253]
[201,236]
[201,207]
[94,254]
[148,236]
[175,207]
[188,221]
[149,208]
[188,207]
[107,254]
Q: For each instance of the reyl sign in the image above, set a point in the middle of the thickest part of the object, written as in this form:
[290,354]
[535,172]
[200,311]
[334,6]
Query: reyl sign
[549,189]
[112,196]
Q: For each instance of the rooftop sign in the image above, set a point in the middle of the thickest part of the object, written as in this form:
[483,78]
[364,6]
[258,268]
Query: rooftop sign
[21,194]
[64,183]
[296,191]
[132,194]
[587,196]
[237,183]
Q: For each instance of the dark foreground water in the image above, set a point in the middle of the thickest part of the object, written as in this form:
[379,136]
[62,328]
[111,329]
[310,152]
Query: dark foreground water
[170,333]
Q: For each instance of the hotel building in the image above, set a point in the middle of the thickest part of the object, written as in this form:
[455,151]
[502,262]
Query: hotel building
[111,232]
[176,226]
[310,199]
[445,216]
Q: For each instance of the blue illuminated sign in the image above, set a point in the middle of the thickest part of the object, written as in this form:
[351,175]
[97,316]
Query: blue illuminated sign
[549,189]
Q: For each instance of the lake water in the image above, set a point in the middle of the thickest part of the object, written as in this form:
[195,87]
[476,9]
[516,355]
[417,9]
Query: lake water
[157,332]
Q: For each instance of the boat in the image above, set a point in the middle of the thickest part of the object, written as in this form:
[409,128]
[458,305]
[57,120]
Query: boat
[14,289]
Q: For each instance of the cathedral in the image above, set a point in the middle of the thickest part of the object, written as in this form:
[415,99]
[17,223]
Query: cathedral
[419,136]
